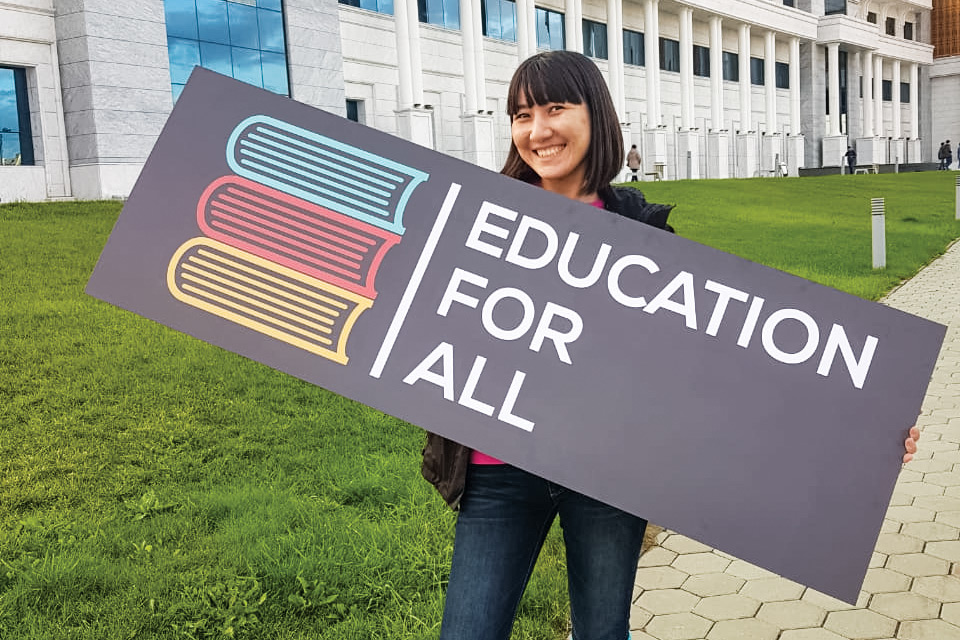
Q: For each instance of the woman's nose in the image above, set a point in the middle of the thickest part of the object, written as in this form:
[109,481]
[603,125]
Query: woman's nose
[540,128]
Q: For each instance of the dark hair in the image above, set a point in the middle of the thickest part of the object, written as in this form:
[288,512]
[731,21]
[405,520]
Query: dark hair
[568,76]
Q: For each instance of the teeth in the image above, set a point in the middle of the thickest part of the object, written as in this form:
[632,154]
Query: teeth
[552,151]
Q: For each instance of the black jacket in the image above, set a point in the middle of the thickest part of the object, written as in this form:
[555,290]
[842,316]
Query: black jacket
[445,461]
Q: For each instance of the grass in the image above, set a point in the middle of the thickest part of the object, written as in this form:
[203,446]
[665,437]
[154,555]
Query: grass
[152,485]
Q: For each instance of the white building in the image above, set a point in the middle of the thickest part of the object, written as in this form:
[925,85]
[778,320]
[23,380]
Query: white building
[705,88]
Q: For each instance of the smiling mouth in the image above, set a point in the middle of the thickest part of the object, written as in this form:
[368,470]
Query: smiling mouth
[549,152]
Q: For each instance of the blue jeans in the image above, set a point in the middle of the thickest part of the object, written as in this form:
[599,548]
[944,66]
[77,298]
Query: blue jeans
[505,515]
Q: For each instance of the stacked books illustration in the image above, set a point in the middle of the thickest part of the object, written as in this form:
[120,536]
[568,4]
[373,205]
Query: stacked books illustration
[293,241]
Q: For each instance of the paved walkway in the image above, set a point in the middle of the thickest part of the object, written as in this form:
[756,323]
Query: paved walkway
[688,591]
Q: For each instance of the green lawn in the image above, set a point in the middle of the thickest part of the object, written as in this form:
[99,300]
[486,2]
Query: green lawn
[155,486]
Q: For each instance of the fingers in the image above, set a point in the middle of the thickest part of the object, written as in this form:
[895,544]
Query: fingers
[915,432]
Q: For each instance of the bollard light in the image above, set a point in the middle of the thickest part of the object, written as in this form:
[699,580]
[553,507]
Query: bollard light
[957,198]
[879,233]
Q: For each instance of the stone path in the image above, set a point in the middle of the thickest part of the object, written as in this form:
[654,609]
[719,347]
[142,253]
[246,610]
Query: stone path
[688,591]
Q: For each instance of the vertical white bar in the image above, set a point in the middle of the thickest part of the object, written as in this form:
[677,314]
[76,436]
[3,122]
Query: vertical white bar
[879,233]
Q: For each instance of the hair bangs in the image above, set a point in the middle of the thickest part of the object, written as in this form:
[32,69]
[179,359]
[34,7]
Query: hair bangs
[542,80]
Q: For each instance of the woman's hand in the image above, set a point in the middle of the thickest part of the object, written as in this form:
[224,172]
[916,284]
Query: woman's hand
[910,444]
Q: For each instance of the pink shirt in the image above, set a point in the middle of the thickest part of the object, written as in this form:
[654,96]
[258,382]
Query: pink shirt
[477,457]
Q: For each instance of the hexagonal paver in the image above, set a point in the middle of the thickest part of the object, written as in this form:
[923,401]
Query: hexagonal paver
[889,526]
[664,601]
[636,634]
[749,571]
[794,614]
[905,606]
[928,630]
[659,578]
[772,589]
[678,626]
[910,514]
[898,543]
[825,602]
[728,607]
[917,489]
[951,613]
[696,563]
[860,624]
[885,581]
[639,618]
[951,518]
[941,588]
[713,584]
[938,503]
[929,466]
[877,560]
[930,531]
[656,557]
[948,550]
[918,564]
[945,479]
[810,634]
[683,544]
[746,629]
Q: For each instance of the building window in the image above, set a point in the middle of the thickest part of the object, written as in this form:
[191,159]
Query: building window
[891,26]
[595,39]
[380,6]
[242,39]
[756,71]
[789,3]
[356,111]
[701,61]
[905,92]
[633,51]
[887,90]
[500,19]
[832,7]
[731,66]
[443,13]
[908,31]
[669,54]
[550,29]
[16,139]
[783,75]
[871,17]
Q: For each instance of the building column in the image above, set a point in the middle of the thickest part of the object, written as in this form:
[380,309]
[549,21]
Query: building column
[651,49]
[770,80]
[526,29]
[716,73]
[479,139]
[795,86]
[914,100]
[574,25]
[686,68]
[615,56]
[895,91]
[866,61]
[402,27]
[414,121]
[878,128]
[746,120]
[833,80]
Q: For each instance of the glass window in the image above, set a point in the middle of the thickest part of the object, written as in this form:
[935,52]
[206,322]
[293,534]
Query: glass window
[16,138]
[891,27]
[871,17]
[444,13]
[783,75]
[908,31]
[212,21]
[701,61]
[756,71]
[499,19]
[244,39]
[550,33]
[905,92]
[669,54]
[595,39]
[887,90]
[788,3]
[380,6]
[731,66]
[831,7]
[355,110]
[633,48]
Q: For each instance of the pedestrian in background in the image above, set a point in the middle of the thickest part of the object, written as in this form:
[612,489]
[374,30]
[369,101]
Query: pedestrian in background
[633,162]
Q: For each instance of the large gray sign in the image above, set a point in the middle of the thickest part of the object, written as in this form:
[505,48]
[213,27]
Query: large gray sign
[752,410]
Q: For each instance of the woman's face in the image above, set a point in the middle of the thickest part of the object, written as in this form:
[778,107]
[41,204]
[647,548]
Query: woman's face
[553,139]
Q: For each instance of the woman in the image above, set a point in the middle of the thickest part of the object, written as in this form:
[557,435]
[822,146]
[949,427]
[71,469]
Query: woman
[565,138]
